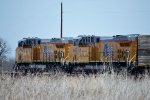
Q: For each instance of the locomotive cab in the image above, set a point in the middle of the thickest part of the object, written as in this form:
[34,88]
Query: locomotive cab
[24,50]
[29,42]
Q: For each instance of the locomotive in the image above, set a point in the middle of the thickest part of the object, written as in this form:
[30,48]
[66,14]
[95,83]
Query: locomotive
[84,52]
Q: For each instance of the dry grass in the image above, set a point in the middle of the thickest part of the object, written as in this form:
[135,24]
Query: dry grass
[63,87]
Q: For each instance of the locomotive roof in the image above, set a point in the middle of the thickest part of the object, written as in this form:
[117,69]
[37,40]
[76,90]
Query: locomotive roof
[67,39]
[56,40]
[120,37]
[33,38]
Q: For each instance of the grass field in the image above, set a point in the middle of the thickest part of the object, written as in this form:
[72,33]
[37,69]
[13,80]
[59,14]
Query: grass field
[63,87]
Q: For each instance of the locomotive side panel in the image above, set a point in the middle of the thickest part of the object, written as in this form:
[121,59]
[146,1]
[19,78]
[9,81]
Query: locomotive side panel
[83,54]
[67,54]
[124,51]
[74,54]
[133,52]
[80,54]
[59,53]
[95,53]
[36,53]
[47,52]
[23,55]
[118,51]
[109,51]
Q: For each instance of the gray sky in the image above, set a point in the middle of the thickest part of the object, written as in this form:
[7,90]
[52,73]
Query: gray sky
[41,18]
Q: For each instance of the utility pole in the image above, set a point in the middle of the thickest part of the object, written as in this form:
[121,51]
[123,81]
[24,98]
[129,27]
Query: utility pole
[137,51]
[61,29]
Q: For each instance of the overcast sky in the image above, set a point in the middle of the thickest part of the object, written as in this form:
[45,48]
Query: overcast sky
[41,18]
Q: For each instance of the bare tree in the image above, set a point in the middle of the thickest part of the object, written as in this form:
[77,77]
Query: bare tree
[3,49]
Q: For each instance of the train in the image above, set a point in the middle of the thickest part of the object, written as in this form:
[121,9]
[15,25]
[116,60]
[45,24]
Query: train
[85,52]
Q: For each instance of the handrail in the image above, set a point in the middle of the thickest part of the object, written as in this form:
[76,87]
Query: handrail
[65,58]
[132,58]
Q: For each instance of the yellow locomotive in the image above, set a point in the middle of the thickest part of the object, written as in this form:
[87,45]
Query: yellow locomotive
[86,52]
